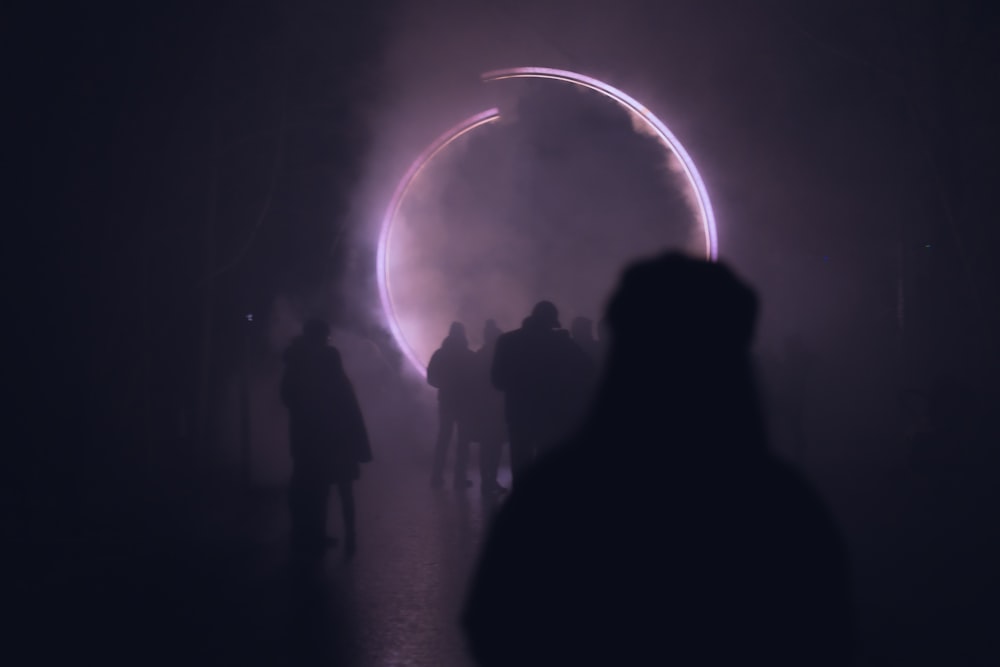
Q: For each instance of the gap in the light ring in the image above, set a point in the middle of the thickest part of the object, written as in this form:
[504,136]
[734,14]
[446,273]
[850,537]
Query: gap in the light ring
[666,137]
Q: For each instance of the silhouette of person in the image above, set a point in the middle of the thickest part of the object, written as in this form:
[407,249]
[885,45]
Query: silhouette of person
[603,340]
[708,551]
[327,435]
[797,369]
[582,331]
[546,379]
[947,421]
[451,371]
[488,426]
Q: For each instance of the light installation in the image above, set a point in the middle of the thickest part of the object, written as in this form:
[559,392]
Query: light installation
[666,137]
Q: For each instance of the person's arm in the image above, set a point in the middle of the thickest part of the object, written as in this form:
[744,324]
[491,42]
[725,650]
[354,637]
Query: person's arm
[360,440]
[346,400]
[434,370]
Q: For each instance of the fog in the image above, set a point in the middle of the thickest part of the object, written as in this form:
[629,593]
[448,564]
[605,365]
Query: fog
[549,205]
[204,179]
[824,200]
[553,201]
[793,126]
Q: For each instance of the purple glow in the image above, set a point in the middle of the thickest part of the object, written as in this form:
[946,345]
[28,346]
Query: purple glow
[383,260]
[666,136]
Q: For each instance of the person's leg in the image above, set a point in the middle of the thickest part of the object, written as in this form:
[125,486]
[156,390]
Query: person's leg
[320,499]
[346,492]
[308,498]
[521,452]
[298,511]
[462,458]
[446,424]
[489,464]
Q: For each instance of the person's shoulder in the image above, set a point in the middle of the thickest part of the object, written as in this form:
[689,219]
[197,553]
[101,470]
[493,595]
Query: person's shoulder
[329,355]
[791,495]
[508,338]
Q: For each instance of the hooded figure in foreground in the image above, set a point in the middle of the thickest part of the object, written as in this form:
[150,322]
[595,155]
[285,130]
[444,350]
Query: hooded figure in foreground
[664,532]
[328,438]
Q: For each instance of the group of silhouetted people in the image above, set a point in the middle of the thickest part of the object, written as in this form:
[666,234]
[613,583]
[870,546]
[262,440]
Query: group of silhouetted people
[327,436]
[528,387]
[468,408]
[647,523]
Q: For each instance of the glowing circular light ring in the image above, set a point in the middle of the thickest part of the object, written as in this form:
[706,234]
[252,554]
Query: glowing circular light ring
[490,115]
[382,261]
[665,135]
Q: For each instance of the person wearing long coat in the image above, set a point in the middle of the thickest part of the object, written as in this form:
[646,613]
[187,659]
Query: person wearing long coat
[547,381]
[327,436]
[451,371]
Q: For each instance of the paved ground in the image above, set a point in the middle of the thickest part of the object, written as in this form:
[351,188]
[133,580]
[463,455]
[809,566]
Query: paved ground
[404,589]
[212,584]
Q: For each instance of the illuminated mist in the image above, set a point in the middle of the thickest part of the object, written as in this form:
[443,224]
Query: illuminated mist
[550,202]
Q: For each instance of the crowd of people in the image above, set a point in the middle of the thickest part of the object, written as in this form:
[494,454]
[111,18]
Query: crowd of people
[647,522]
[527,387]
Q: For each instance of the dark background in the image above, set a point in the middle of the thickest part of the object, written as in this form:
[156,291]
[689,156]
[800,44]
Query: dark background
[177,167]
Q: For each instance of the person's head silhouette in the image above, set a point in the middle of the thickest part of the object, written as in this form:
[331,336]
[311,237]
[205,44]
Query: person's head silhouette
[316,331]
[674,303]
[456,335]
[680,351]
[545,315]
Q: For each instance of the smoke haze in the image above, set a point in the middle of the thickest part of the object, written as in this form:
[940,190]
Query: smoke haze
[551,204]
[202,178]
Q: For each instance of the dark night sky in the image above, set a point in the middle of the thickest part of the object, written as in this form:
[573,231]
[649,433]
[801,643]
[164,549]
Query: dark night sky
[833,136]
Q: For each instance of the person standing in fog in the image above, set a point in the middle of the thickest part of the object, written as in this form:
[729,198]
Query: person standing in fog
[452,372]
[327,435]
[664,533]
[488,427]
[546,379]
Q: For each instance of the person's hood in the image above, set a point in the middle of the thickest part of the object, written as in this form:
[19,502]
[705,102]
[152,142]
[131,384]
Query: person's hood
[455,343]
[299,349]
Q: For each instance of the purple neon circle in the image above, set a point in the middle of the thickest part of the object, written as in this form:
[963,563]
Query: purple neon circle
[490,115]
